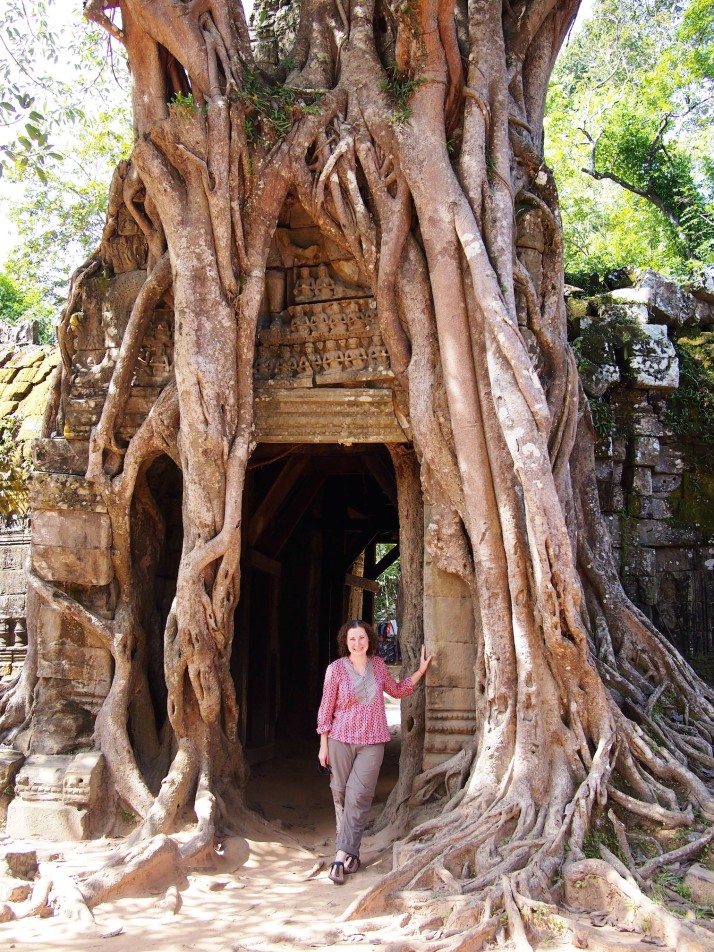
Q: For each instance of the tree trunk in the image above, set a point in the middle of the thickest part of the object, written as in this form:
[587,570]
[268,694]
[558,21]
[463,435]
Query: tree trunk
[413,137]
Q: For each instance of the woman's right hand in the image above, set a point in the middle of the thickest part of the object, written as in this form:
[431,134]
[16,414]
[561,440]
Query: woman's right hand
[323,755]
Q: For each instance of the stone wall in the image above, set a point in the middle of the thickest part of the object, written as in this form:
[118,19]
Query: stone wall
[655,482]
[26,373]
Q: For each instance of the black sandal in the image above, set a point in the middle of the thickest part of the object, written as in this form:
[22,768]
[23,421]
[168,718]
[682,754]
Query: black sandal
[352,863]
[337,872]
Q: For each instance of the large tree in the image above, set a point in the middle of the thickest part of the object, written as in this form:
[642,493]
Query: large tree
[412,134]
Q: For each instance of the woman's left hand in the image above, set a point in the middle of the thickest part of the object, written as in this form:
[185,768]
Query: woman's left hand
[424,662]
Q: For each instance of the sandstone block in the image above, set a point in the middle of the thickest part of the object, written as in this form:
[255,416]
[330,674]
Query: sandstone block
[450,621]
[57,455]
[615,528]
[641,480]
[652,361]
[668,303]
[52,821]
[12,606]
[83,530]
[704,313]
[648,507]
[12,582]
[20,865]
[672,559]
[671,461]
[701,882]
[640,562]
[614,310]
[665,483]
[81,566]
[653,532]
[644,450]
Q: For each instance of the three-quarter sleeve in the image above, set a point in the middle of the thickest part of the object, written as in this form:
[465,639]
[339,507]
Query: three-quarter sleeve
[396,689]
[329,699]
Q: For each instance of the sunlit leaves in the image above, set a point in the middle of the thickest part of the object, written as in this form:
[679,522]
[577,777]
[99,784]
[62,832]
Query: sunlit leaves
[632,98]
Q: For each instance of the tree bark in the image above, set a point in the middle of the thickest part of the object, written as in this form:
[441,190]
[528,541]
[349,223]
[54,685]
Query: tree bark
[423,158]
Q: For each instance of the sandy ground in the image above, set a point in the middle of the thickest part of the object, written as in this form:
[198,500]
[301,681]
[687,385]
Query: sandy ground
[263,894]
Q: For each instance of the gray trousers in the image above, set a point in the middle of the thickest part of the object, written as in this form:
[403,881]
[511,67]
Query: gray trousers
[355,770]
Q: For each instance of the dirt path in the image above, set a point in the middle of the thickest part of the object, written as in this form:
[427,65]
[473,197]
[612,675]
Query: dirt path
[263,894]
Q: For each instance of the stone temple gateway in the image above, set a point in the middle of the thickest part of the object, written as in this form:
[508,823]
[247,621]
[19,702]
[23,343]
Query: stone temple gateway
[321,494]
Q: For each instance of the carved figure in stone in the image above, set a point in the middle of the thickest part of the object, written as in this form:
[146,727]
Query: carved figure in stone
[320,321]
[313,357]
[293,254]
[304,286]
[286,364]
[332,358]
[355,355]
[324,285]
[338,319]
[161,350]
[265,363]
[378,354]
[355,320]
[300,323]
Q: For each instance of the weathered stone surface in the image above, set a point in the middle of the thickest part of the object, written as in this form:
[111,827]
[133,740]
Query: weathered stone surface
[60,491]
[668,302]
[12,606]
[54,796]
[649,507]
[71,655]
[611,309]
[640,478]
[652,361]
[653,532]
[82,530]
[327,416]
[80,566]
[644,451]
[670,462]
[665,483]
[51,821]
[700,881]
[57,455]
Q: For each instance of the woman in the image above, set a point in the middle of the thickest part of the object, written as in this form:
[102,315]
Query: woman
[352,725]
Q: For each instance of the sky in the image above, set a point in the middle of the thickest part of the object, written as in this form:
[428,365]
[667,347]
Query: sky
[8,234]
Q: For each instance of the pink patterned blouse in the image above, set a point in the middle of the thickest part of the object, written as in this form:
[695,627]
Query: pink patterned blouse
[352,708]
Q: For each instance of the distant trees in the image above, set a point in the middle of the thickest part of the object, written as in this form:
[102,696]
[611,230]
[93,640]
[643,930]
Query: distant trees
[629,133]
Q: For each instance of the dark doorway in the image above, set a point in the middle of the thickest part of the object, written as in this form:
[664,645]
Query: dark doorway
[313,517]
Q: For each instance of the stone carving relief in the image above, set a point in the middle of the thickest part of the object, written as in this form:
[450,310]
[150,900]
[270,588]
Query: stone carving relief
[58,797]
[328,336]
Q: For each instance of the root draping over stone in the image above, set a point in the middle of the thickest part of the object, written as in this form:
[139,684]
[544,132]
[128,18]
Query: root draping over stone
[412,134]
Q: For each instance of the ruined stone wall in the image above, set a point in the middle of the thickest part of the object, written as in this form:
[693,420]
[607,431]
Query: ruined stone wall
[26,372]
[655,482]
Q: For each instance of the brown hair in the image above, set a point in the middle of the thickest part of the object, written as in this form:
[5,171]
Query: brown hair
[347,627]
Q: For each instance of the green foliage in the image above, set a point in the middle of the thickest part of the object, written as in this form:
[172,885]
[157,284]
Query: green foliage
[400,88]
[52,70]
[386,599]
[13,301]
[631,99]
[15,471]
[272,108]
[183,106]
[59,222]
[690,409]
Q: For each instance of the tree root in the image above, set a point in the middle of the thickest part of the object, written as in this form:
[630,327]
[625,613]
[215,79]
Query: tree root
[596,885]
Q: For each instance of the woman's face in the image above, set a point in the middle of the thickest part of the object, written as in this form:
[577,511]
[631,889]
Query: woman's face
[357,641]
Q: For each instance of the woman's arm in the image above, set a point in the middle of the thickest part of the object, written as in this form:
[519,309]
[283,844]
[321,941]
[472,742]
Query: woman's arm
[326,713]
[423,665]
[400,689]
